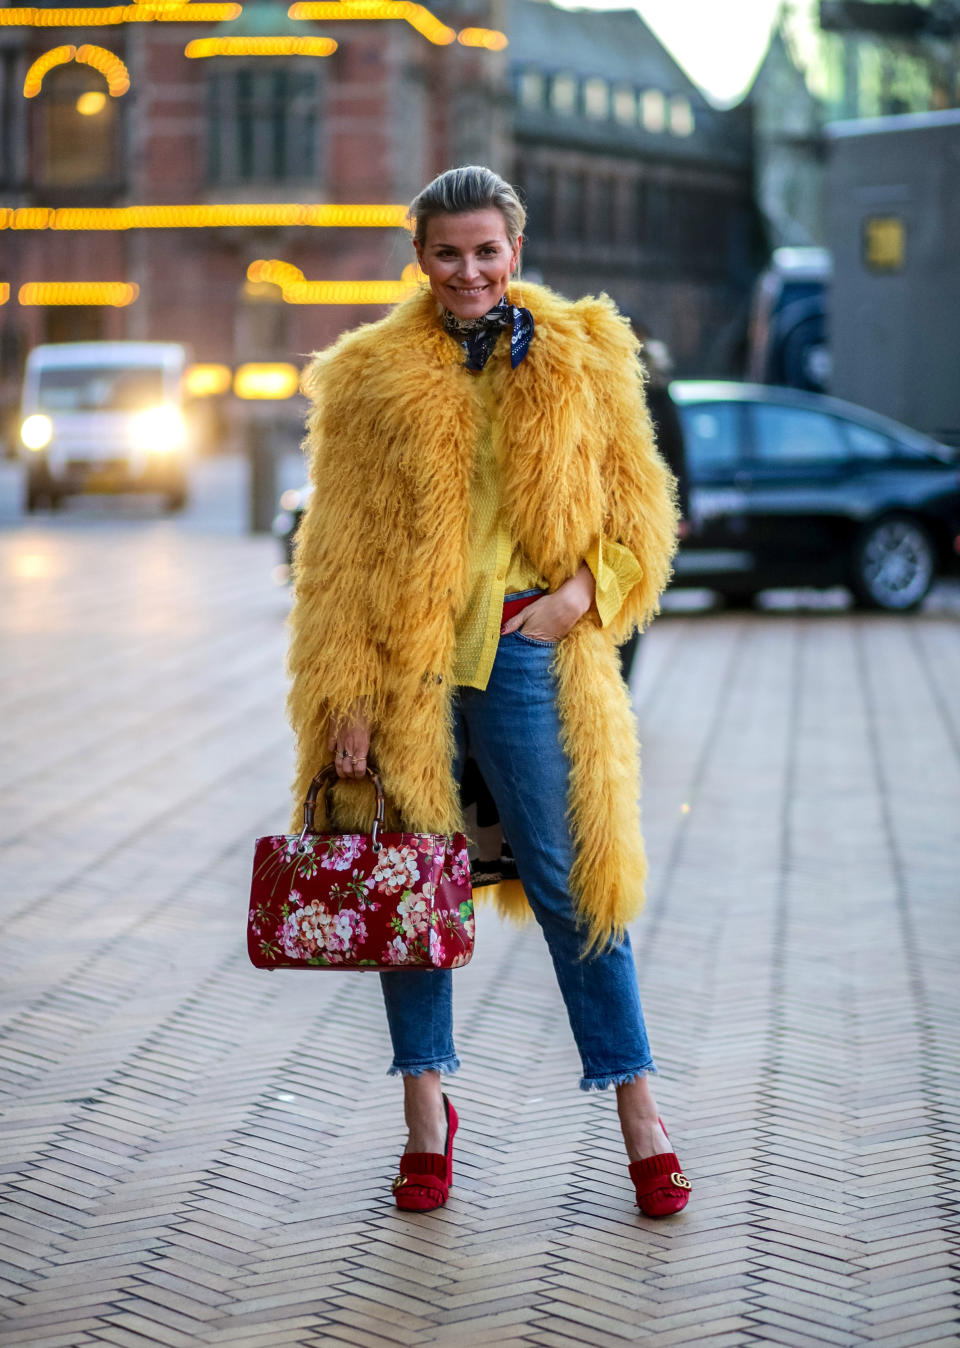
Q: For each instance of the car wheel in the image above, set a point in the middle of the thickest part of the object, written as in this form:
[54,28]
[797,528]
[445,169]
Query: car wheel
[893,564]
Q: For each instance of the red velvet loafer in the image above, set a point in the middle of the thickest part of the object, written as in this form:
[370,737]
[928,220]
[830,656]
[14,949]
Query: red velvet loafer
[662,1187]
[425,1176]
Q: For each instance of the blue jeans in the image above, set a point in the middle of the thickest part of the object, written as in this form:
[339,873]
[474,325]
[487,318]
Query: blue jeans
[512,729]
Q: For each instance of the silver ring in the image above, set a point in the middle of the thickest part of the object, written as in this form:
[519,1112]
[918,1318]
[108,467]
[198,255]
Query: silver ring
[344,754]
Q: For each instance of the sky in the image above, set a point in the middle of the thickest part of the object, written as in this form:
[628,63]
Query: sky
[719,43]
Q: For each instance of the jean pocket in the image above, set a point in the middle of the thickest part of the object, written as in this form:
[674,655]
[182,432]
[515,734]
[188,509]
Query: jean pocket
[534,641]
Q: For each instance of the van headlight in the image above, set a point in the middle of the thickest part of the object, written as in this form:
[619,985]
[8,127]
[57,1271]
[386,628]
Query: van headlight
[159,430]
[36,431]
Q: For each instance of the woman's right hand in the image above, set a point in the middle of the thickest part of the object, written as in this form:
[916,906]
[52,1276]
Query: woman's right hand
[349,742]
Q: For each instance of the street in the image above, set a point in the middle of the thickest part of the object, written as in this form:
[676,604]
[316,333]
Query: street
[194,1151]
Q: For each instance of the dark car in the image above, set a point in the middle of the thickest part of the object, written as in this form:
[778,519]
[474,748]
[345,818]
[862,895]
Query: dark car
[790,488]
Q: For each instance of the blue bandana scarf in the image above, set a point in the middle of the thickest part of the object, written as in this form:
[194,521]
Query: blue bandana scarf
[478,336]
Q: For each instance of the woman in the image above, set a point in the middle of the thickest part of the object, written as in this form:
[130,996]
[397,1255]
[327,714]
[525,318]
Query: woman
[489,519]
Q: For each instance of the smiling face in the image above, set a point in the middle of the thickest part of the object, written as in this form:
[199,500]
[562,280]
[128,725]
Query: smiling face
[469,260]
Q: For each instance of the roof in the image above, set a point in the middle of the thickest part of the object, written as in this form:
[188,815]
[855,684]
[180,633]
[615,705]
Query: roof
[905,121]
[616,44]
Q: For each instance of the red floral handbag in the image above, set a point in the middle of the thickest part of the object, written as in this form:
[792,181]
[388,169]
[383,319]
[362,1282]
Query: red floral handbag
[357,900]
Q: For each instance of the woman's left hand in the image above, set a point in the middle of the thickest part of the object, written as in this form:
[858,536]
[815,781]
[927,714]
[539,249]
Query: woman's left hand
[552,617]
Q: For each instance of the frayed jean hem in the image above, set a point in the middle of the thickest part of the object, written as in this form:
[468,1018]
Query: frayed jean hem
[446,1067]
[617,1079]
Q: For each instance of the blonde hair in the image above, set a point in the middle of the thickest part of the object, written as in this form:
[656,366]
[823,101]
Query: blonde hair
[471,188]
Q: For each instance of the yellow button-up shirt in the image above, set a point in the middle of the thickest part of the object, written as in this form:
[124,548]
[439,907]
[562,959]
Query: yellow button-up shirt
[496,566]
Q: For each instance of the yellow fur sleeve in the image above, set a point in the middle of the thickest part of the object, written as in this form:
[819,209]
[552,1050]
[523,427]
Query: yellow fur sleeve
[641,506]
[333,659]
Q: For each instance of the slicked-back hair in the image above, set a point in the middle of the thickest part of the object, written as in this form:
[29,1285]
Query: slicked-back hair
[471,188]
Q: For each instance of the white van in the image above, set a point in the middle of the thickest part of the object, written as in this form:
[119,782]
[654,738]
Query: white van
[104,416]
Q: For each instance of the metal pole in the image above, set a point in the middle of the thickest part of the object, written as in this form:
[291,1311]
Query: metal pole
[261,447]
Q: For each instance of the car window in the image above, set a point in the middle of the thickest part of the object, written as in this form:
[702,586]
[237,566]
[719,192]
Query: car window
[866,443]
[710,436]
[99,388]
[795,435]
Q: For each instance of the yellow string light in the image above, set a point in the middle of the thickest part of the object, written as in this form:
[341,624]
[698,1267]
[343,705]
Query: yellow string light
[29,16]
[117,294]
[248,215]
[57,56]
[417,16]
[260,46]
[110,66]
[490,38]
[295,289]
[4,291]
[262,380]
[206,381]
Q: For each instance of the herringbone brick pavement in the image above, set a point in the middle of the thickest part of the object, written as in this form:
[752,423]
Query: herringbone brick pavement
[193,1152]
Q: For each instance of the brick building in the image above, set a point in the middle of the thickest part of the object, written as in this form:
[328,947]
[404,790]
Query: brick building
[162,149]
[264,141]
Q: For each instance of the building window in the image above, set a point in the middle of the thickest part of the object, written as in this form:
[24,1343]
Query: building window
[563,94]
[604,210]
[596,98]
[262,124]
[625,105]
[535,194]
[658,225]
[681,116]
[261,325]
[532,88]
[640,212]
[572,203]
[77,129]
[653,110]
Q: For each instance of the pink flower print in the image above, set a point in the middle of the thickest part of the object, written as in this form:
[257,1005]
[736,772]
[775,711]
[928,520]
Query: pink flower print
[414,914]
[343,927]
[397,951]
[291,846]
[460,868]
[436,948]
[342,851]
[396,869]
[304,930]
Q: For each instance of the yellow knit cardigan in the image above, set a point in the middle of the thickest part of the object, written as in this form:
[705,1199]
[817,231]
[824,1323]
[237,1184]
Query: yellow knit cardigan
[381,561]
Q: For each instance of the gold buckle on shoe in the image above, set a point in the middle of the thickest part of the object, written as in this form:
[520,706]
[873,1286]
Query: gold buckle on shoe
[680,1181]
[398,1182]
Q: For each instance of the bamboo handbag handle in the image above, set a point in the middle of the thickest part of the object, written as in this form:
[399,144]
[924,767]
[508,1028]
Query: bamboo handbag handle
[328,774]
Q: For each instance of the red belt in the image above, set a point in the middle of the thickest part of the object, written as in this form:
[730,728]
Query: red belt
[512,606]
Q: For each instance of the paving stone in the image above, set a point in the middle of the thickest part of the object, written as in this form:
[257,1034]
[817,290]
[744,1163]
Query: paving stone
[194,1152]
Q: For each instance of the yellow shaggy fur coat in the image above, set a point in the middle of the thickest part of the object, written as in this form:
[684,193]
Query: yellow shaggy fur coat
[381,560]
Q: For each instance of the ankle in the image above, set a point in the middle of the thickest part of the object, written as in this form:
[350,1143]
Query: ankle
[424,1113]
[643,1133]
